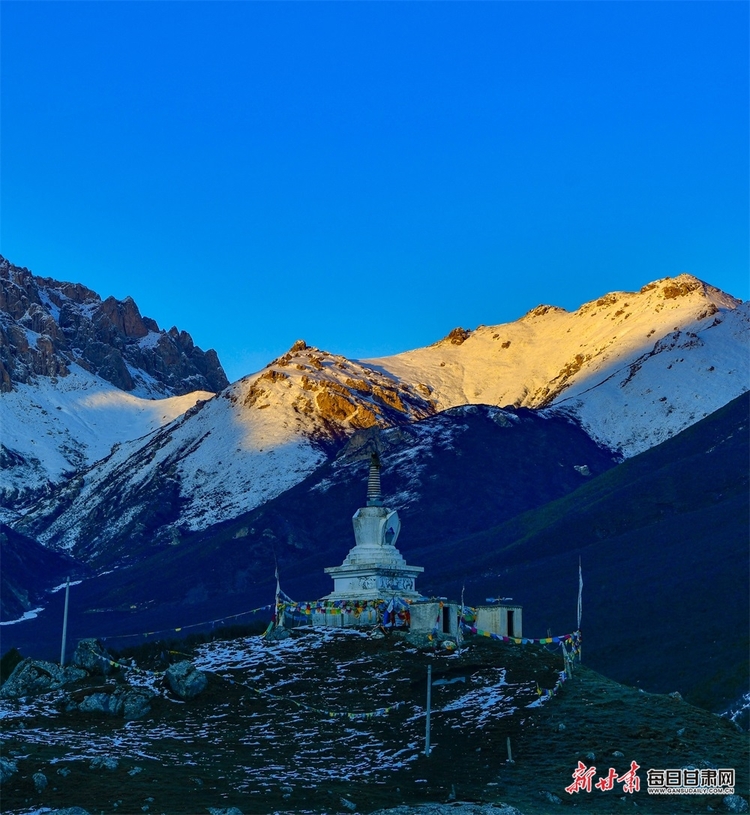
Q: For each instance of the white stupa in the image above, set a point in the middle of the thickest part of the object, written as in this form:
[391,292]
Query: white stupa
[374,569]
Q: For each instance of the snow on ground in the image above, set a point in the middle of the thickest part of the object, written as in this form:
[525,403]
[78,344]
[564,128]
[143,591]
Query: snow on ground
[28,615]
[61,425]
[269,729]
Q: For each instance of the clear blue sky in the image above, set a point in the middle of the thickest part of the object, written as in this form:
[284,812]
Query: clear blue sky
[367,176]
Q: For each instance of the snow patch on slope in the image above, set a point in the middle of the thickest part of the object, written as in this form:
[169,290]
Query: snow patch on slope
[59,425]
[686,376]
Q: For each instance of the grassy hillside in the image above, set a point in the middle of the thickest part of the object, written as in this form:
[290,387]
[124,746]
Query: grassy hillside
[260,737]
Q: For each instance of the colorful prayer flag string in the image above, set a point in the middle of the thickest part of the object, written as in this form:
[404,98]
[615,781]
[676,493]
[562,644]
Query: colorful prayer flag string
[574,638]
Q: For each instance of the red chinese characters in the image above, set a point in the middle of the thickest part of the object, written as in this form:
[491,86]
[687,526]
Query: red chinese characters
[583,775]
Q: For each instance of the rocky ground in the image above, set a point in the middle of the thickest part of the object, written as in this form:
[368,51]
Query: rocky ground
[276,728]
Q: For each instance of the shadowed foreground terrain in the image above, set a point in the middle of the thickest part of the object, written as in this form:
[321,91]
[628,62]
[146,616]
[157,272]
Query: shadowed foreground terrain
[261,737]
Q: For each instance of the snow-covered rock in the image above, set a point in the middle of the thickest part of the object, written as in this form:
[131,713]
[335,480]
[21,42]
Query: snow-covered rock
[185,680]
[32,676]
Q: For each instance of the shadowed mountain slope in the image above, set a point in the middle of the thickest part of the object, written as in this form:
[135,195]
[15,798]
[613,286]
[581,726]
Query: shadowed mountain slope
[663,539]
[27,571]
[449,475]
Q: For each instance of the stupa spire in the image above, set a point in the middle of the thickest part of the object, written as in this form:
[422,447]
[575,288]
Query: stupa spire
[374,498]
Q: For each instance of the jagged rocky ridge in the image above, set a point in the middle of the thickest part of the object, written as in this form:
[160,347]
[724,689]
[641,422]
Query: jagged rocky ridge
[46,326]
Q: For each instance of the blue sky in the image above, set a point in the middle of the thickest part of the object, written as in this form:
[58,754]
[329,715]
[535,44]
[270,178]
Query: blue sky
[367,176]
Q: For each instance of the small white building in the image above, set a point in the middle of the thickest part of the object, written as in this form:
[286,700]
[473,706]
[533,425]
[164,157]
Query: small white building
[501,619]
[434,617]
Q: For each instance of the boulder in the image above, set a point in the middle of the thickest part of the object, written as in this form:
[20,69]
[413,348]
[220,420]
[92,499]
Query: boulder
[104,762]
[31,677]
[108,703]
[277,633]
[130,703]
[40,781]
[185,680]
[91,655]
[7,769]
[136,703]
[72,674]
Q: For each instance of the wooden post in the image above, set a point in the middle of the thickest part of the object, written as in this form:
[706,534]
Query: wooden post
[567,661]
[427,723]
[580,601]
[460,631]
[510,755]
[65,623]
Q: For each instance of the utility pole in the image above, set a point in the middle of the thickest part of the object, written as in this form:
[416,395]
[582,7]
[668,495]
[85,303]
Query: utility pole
[65,623]
[429,700]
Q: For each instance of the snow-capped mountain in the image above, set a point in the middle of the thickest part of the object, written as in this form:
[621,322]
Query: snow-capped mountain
[634,367]
[78,375]
[225,456]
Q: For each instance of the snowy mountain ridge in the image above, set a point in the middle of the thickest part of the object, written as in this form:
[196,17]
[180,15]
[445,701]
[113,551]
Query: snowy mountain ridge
[595,362]
[79,374]
[53,429]
[633,368]
[227,455]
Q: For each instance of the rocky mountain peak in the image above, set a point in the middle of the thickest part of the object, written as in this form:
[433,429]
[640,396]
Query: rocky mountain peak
[330,395]
[46,326]
[125,317]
